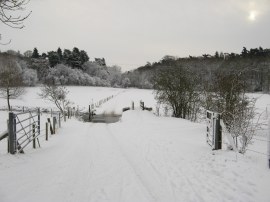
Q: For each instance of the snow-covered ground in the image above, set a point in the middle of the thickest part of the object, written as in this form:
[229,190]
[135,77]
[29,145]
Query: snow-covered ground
[79,96]
[141,158]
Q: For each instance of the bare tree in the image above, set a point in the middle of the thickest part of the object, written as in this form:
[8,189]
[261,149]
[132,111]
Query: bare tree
[56,94]
[10,13]
[11,80]
[177,88]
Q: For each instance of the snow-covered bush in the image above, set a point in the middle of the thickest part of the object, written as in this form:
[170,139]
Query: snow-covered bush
[29,77]
[125,82]
[65,75]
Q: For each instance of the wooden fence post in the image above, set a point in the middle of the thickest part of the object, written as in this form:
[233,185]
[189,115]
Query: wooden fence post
[54,123]
[51,129]
[46,129]
[142,105]
[8,137]
[132,105]
[59,121]
[12,133]
[38,121]
[90,115]
[218,135]
[34,135]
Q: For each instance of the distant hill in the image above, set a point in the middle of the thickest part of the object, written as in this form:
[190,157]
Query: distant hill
[254,63]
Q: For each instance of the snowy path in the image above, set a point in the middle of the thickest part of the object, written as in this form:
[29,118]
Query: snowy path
[142,158]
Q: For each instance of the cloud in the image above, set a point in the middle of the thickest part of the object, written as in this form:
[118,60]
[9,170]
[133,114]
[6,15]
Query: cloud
[133,32]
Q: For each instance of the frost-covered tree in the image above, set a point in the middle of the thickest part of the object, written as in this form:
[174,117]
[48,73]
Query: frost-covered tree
[91,68]
[11,80]
[41,66]
[29,76]
[12,52]
[115,76]
[65,75]
[125,83]
[56,94]
[28,53]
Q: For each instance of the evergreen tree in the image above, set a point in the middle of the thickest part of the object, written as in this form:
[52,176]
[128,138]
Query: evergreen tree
[221,55]
[35,53]
[83,57]
[43,55]
[75,58]
[60,54]
[245,52]
[53,58]
[67,54]
[216,54]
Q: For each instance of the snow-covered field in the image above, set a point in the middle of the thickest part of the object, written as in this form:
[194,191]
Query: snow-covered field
[141,158]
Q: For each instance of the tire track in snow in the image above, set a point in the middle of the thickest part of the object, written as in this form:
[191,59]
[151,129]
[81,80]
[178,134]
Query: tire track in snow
[131,165]
[112,177]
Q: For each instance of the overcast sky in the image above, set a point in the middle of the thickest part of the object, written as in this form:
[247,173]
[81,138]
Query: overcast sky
[130,33]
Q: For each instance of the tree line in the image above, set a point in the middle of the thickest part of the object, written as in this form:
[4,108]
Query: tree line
[254,65]
[67,67]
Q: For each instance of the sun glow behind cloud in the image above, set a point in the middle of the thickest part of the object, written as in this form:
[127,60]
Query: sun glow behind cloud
[253,15]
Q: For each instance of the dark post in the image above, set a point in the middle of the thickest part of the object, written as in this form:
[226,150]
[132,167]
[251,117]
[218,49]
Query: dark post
[90,113]
[54,123]
[51,129]
[218,135]
[132,105]
[38,121]
[65,118]
[34,135]
[59,121]
[12,133]
[46,129]
[8,137]
[142,105]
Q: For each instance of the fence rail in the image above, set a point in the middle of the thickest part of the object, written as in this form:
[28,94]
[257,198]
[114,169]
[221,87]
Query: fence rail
[3,135]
